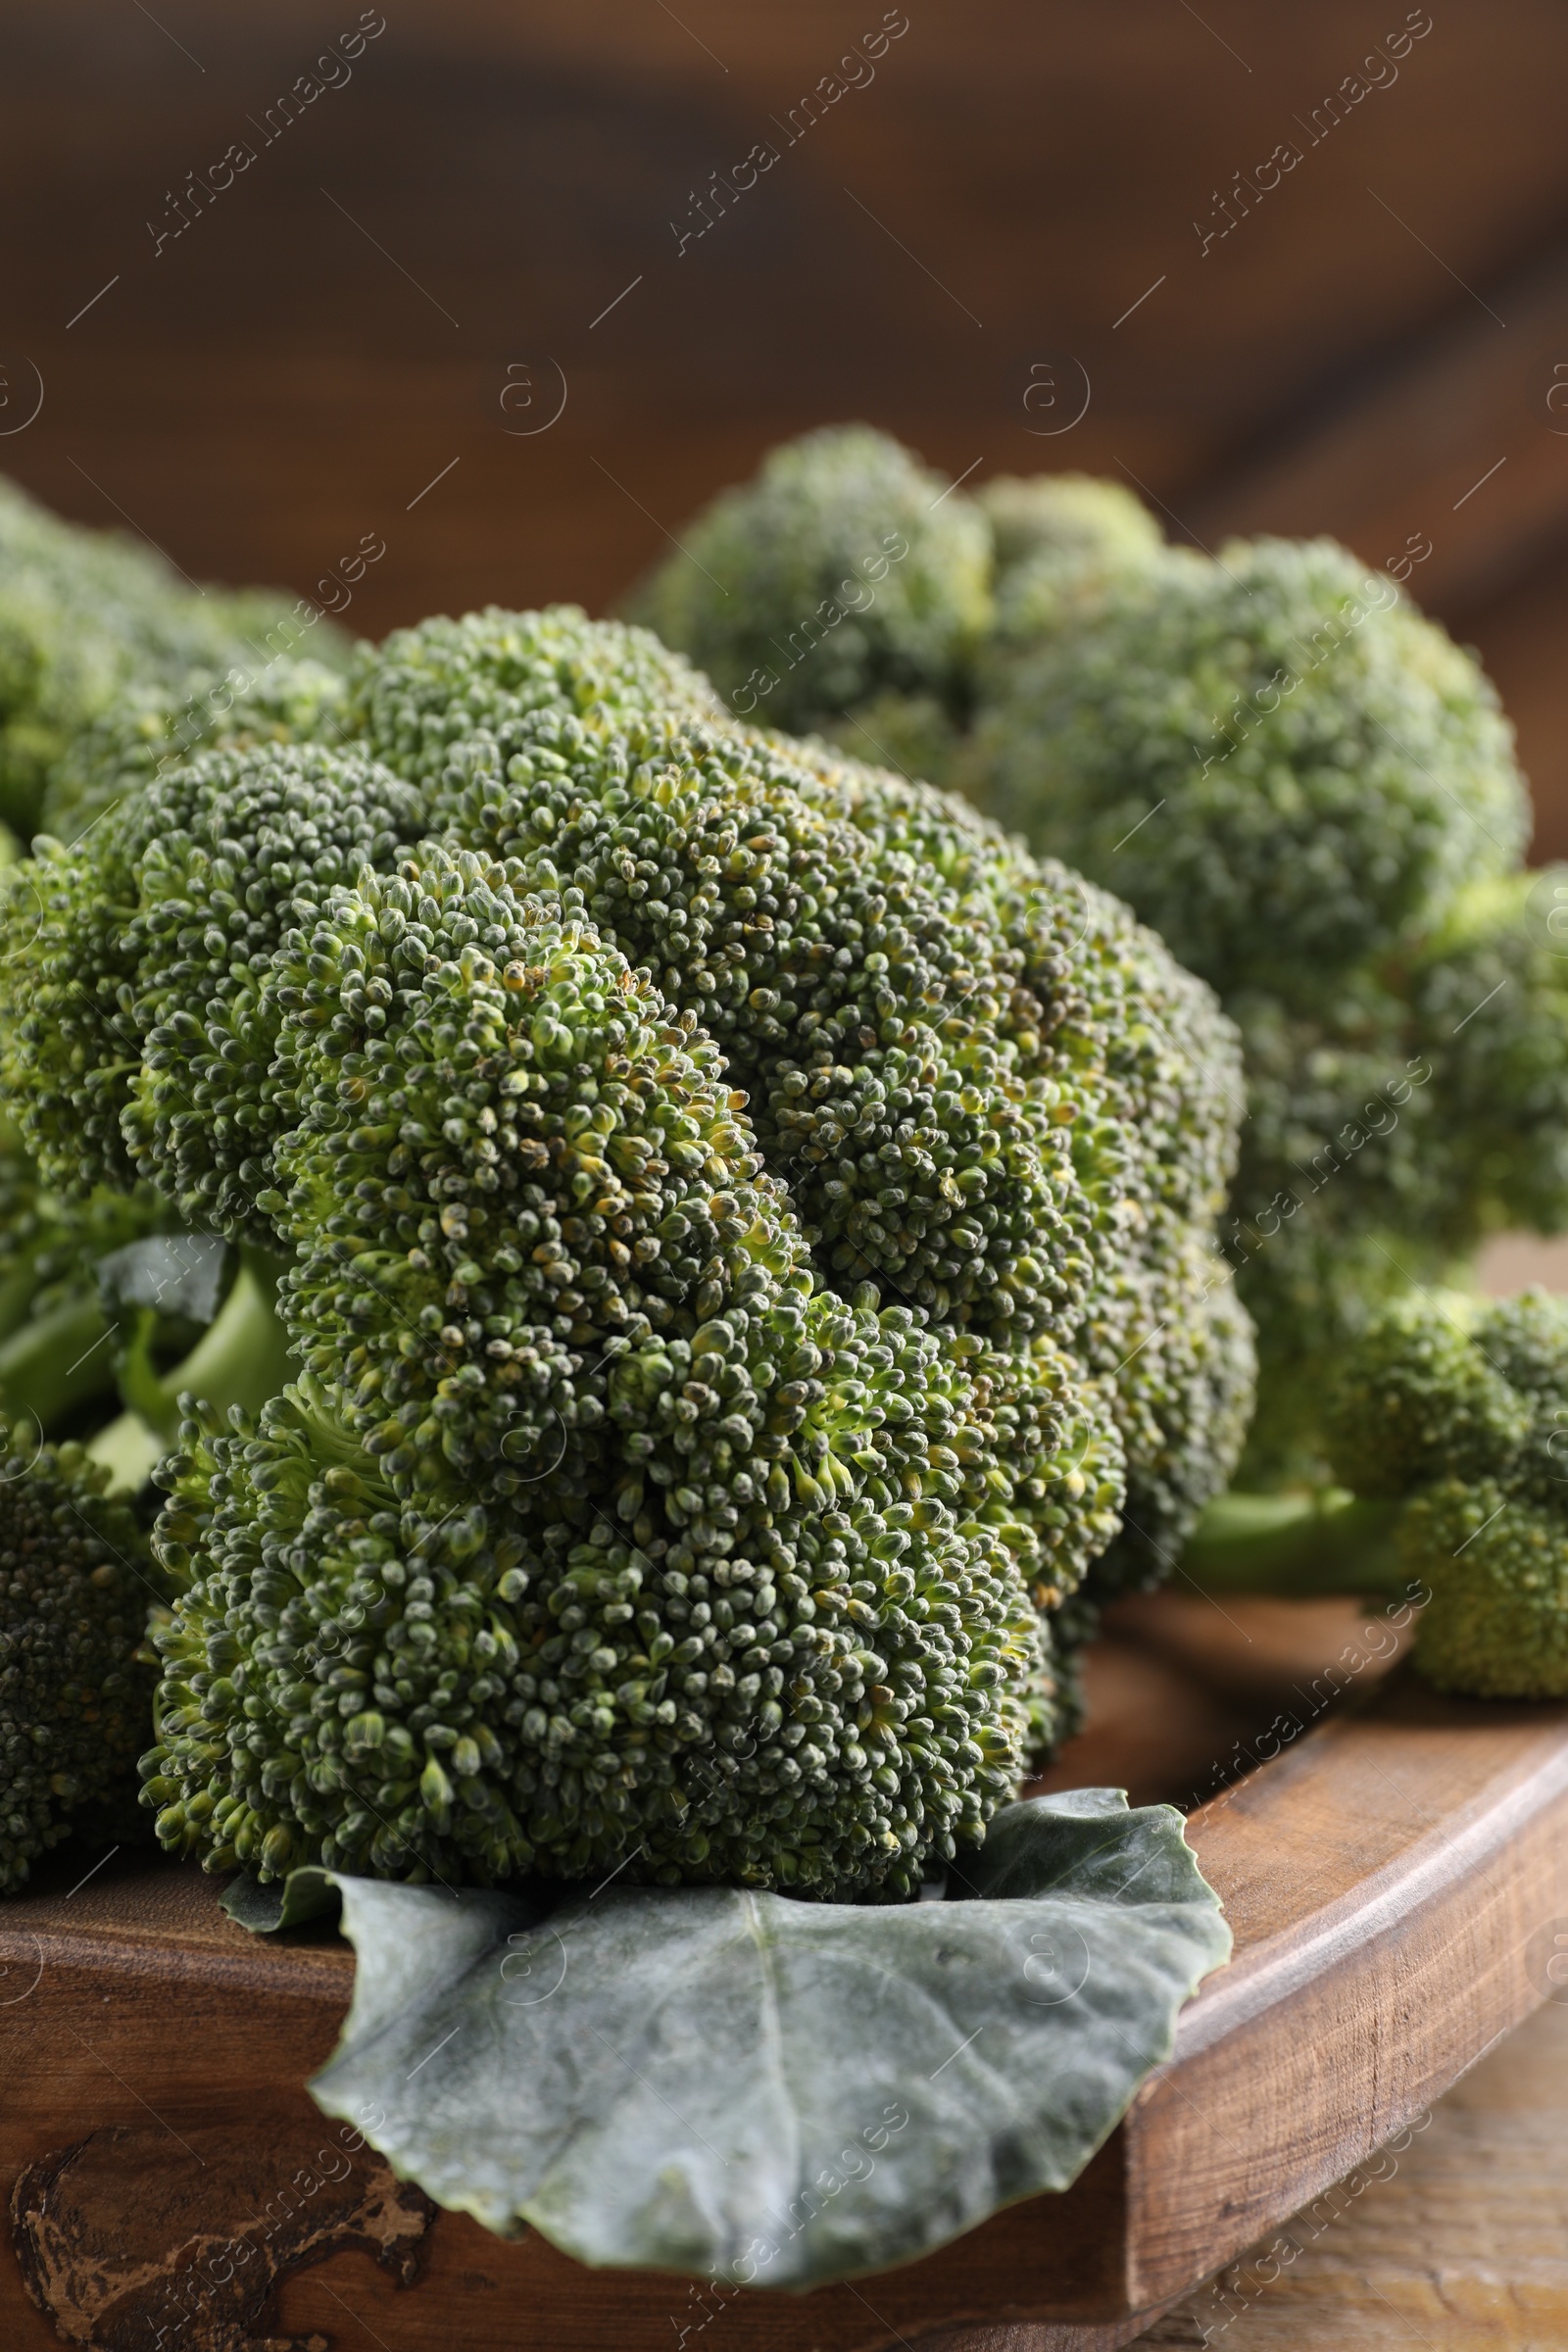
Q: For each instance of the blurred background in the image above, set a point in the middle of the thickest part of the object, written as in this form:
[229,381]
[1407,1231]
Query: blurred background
[517,288]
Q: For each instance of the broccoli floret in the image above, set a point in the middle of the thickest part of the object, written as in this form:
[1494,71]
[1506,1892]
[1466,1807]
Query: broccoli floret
[1447,1427]
[76,1697]
[621,1336]
[468,690]
[845,568]
[1060,542]
[1278,762]
[1310,791]
[153,725]
[84,615]
[736,1202]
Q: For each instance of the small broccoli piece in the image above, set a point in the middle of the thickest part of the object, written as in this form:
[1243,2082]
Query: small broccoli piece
[75,1697]
[1312,768]
[1473,1407]
[1489,996]
[135,1013]
[1061,542]
[1447,1427]
[153,725]
[82,615]
[845,568]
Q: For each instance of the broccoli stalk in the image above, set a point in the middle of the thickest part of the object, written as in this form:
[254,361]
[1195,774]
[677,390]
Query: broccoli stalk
[241,1359]
[1297,1546]
[1445,1425]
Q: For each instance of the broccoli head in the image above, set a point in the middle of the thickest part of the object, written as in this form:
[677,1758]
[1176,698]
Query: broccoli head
[1278,762]
[75,1695]
[1461,1411]
[1058,541]
[1310,791]
[846,568]
[85,614]
[744,1223]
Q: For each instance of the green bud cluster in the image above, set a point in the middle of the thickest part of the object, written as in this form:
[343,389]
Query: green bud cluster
[738,1211]
[74,1697]
[752,1573]
[846,568]
[420,700]
[135,1017]
[1462,1411]
[153,723]
[84,615]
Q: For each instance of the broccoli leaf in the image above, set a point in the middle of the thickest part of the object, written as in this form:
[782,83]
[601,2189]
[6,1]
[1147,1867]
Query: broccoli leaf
[773,2091]
[179,1273]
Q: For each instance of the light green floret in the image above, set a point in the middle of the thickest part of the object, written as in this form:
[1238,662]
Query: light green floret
[1312,768]
[753,1571]
[842,570]
[82,615]
[1487,1529]
[1061,542]
[135,1023]
[468,689]
[152,725]
[74,1697]
[1447,1428]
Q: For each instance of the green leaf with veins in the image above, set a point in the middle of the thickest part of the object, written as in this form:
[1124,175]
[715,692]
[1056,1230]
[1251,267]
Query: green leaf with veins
[772,2091]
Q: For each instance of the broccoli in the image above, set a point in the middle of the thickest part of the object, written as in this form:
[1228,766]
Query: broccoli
[1311,794]
[153,723]
[744,1225]
[1444,1426]
[1058,540]
[82,616]
[846,569]
[75,1682]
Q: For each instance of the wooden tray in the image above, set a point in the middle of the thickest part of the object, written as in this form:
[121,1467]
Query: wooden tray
[1394,1877]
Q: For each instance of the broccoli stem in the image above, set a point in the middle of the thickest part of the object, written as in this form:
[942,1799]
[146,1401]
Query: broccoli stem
[1297,1546]
[241,1359]
[56,1362]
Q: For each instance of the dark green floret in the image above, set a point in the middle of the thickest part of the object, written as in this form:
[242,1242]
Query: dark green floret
[753,1572]
[75,1694]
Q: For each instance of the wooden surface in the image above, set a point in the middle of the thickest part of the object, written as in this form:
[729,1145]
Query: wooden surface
[324,350]
[1385,1874]
[1456,2240]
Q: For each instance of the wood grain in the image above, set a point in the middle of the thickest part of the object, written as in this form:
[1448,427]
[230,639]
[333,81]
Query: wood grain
[1385,1875]
[1456,2240]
